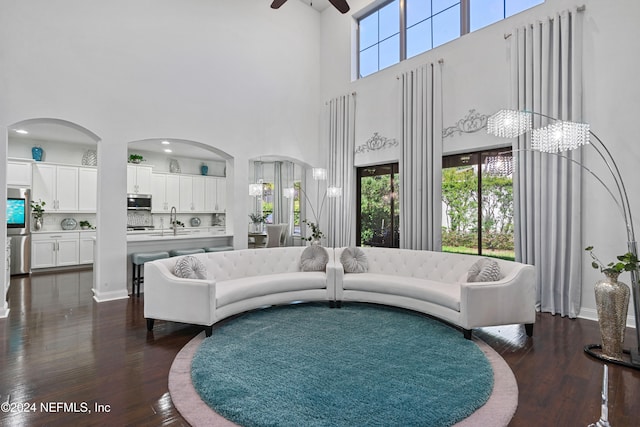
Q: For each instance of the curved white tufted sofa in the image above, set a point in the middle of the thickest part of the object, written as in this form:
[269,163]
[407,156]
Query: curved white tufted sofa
[237,281]
[435,283]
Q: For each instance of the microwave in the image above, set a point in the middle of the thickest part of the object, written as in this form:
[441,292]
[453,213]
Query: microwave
[139,202]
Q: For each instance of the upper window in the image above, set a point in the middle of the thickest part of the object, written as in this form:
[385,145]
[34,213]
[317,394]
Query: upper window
[486,12]
[400,29]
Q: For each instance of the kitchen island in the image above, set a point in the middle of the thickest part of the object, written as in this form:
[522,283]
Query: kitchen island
[165,240]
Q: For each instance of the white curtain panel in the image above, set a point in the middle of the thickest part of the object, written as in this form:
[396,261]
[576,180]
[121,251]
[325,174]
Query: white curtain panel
[421,162]
[546,60]
[279,202]
[341,171]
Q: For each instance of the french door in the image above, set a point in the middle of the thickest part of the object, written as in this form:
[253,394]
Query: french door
[378,206]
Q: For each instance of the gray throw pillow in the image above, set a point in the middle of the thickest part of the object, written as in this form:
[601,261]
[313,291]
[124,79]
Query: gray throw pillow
[484,270]
[314,258]
[190,267]
[354,260]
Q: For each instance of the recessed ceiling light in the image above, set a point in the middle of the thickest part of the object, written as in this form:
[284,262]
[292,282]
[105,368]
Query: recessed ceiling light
[21,131]
[168,150]
[165,143]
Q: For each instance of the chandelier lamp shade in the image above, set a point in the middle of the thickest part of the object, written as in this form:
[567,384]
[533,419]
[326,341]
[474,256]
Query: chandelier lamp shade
[319,174]
[256,190]
[560,136]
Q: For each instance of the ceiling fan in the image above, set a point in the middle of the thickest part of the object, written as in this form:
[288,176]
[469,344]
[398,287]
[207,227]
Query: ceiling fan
[341,5]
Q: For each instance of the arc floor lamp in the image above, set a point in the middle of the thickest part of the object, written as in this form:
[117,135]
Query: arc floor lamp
[560,136]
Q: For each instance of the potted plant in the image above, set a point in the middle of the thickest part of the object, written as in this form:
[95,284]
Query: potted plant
[258,219]
[316,234]
[612,301]
[37,210]
[85,225]
[135,158]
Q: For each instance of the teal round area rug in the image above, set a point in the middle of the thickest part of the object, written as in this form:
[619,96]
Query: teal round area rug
[309,365]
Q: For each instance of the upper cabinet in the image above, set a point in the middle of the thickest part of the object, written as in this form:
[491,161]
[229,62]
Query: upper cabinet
[139,179]
[215,194]
[165,192]
[19,173]
[191,193]
[87,189]
[57,186]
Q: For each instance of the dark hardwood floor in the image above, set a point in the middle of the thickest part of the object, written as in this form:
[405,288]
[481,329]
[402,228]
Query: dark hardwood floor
[60,347]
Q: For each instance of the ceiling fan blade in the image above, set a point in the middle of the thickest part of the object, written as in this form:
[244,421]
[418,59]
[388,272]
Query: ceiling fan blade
[277,3]
[341,5]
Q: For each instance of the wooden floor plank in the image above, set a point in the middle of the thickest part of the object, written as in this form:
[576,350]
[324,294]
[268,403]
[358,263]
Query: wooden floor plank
[59,345]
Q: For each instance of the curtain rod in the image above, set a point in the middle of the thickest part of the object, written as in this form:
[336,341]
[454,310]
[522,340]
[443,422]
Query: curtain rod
[578,9]
[440,61]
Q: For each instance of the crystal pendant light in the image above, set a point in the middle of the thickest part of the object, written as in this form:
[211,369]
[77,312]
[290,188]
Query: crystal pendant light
[509,123]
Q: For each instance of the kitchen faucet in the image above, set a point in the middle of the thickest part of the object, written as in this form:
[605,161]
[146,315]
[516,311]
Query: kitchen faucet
[173,220]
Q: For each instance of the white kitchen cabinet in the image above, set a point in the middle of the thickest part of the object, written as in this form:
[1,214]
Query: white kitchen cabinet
[57,186]
[192,193]
[165,192]
[19,173]
[221,195]
[54,249]
[87,189]
[139,179]
[87,240]
[215,194]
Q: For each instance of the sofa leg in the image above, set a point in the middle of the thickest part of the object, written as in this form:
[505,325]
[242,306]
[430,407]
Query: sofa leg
[332,304]
[150,324]
[339,304]
[208,331]
[528,327]
[467,333]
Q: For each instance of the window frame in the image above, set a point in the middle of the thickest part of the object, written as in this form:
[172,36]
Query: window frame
[465,28]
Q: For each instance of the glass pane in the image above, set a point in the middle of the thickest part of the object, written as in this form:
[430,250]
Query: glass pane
[497,214]
[485,12]
[389,20]
[369,61]
[417,10]
[369,31]
[517,6]
[440,5]
[460,209]
[389,51]
[446,26]
[379,206]
[419,38]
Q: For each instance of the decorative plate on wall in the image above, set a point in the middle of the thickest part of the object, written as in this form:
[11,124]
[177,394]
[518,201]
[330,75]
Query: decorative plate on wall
[69,224]
[195,221]
[174,166]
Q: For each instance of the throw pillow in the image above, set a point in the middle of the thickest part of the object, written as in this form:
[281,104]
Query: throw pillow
[484,270]
[314,258]
[354,260]
[190,267]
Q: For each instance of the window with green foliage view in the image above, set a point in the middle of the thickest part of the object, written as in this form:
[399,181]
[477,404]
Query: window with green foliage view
[477,205]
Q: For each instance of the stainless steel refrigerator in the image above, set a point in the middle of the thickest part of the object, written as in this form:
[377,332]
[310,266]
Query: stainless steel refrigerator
[19,229]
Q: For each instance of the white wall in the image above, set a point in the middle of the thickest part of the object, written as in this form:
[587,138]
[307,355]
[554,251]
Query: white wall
[475,76]
[237,74]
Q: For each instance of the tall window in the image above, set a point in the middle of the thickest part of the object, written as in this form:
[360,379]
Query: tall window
[477,204]
[400,29]
[377,198]
[379,39]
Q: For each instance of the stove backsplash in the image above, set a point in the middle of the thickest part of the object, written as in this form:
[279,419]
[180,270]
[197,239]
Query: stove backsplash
[139,219]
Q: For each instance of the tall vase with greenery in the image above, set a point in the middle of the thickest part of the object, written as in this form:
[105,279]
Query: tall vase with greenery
[612,302]
[316,233]
[37,211]
[258,220]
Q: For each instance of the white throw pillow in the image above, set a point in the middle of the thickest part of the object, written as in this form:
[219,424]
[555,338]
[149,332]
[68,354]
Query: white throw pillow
[354,260]
[190,267]
[314,258]
[484,270]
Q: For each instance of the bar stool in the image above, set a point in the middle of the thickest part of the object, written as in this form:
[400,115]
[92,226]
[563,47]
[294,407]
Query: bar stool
[219,249]
[138,259]
[180,252]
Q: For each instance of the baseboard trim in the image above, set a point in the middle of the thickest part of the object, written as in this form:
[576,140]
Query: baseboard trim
[592,314]
[109,296]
